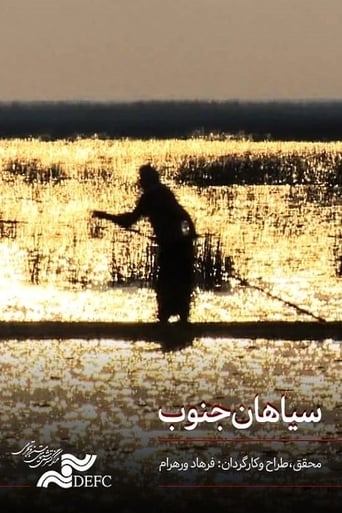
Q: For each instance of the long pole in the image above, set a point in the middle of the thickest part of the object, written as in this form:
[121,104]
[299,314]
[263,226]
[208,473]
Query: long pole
[246,283]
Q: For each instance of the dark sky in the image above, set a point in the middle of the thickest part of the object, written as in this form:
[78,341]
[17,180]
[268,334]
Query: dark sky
[163,49]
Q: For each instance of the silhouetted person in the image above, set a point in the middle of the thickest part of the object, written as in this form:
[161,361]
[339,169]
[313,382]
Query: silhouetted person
[175,233]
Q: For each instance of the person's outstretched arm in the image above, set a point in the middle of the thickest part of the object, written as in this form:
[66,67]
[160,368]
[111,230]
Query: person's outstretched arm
[125,220]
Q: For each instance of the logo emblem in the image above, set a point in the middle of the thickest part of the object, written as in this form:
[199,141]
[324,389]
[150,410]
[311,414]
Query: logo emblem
[41,456]
[64,479]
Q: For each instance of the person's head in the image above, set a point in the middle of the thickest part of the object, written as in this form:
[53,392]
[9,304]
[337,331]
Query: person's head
[148,176]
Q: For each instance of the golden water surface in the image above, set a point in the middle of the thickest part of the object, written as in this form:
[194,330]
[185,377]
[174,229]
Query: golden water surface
[103,396]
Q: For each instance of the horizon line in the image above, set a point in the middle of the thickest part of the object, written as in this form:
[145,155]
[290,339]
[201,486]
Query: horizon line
[81,101]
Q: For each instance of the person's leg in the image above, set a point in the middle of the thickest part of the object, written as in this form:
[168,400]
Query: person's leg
[175,281]
[163,314]
[162,291]
[184,313]
[186,279]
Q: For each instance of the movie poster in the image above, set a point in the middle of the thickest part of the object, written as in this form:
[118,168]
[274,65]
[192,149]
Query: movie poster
[102,406]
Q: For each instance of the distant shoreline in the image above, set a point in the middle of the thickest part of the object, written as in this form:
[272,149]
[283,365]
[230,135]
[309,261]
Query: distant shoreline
[306,120]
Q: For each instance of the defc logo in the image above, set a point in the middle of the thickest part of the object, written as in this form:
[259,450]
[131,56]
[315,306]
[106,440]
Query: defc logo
[41,456]
[66,479]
